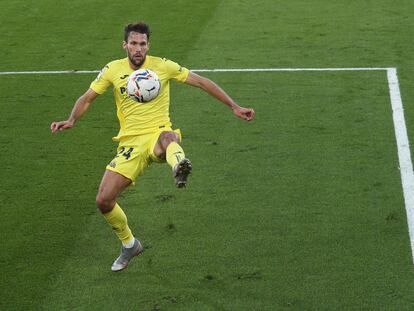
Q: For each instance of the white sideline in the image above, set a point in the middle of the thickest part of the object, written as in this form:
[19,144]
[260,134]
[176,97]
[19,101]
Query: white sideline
[201,70]
[46,72]
[404,154]
[403,147]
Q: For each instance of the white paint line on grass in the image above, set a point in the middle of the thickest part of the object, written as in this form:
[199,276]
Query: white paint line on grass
[202,70]
[288,69]
[47,72]
[404,154]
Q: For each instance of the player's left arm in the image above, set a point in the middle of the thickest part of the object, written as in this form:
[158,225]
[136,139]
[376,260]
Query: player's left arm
[214,90]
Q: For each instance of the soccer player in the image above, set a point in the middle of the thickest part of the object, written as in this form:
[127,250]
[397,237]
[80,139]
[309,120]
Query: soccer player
[146,134]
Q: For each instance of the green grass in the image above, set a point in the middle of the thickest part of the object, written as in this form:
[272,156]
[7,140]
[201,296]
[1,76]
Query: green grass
[302,209]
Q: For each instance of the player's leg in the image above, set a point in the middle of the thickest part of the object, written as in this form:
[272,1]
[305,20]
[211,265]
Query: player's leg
[111,187]
[168,147]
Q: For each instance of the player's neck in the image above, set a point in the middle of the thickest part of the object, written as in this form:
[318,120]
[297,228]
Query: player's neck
[136,67]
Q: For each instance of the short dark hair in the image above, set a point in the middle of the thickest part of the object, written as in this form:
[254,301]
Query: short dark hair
[140,27]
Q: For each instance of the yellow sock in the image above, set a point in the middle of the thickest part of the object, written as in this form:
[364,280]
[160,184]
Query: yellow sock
[174,154]
[118,221]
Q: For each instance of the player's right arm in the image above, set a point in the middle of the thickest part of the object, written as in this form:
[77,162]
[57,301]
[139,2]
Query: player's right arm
[81,105]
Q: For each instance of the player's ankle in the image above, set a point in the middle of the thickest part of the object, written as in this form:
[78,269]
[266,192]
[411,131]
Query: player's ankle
[129,244]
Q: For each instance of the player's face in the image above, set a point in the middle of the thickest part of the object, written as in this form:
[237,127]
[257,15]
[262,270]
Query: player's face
[136,47]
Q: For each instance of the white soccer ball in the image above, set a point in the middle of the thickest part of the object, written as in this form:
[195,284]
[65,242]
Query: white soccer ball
[143,85]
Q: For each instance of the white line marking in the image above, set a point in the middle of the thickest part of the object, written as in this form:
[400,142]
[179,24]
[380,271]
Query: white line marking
[288,69]
[46,72]
[404,155]
[202,70]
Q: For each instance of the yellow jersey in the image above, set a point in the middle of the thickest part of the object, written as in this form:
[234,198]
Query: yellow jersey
[140,118]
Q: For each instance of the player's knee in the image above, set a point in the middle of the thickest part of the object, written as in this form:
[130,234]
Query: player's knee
[168,137]
[104,204]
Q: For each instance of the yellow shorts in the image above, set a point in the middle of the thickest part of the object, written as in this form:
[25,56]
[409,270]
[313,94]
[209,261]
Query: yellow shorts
[135,153]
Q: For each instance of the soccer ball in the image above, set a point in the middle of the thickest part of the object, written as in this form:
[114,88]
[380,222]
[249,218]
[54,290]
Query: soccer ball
[143,85]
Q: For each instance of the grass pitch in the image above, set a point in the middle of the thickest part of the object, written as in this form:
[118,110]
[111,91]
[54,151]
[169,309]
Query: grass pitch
[301,209]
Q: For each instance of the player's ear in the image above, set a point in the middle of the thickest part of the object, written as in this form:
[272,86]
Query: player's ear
[124,45]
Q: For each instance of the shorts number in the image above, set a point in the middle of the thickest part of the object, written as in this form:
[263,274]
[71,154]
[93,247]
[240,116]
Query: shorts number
[126,154]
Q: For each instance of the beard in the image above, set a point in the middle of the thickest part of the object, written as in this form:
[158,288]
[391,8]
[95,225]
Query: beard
[136,62]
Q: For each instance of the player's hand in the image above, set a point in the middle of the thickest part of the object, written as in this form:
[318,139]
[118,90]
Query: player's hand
[244,113]
[60,126]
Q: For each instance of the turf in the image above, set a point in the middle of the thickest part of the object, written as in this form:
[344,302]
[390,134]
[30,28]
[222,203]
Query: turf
[302,209]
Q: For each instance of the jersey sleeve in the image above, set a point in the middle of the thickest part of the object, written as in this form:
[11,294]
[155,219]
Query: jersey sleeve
[175,71]
[102,81]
